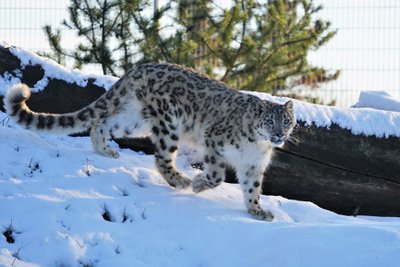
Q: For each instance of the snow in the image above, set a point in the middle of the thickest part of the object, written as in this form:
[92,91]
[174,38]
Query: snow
[54,191]
[378,100]
[381,123]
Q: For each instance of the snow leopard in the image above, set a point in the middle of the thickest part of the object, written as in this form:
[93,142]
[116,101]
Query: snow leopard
[173,104]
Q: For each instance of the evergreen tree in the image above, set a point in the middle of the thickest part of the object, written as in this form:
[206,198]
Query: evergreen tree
[103,30]
[250,44]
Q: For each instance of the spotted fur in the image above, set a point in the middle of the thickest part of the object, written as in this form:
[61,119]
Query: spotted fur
[172,104]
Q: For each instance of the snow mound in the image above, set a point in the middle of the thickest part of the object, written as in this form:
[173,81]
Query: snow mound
[64,205]
[378,100]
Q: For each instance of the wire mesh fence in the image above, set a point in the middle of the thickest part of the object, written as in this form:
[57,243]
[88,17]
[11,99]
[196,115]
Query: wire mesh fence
[22,21]
[366,48]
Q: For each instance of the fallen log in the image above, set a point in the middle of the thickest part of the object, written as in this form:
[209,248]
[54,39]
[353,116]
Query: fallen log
[333,168]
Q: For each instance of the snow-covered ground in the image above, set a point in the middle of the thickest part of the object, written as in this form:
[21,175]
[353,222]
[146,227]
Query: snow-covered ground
[64,205]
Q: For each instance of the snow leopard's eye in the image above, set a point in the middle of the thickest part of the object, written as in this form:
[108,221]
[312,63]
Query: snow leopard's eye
[286,121]
[270,122]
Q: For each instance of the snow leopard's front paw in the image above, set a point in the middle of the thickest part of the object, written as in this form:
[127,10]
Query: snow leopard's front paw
[199,184]
[260,214]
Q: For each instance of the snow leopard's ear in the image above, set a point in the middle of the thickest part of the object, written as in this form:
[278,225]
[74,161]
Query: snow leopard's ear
[264,108]
[289,105]
[268,104]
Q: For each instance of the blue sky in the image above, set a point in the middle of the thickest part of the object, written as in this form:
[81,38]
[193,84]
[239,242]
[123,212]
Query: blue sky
[366,48]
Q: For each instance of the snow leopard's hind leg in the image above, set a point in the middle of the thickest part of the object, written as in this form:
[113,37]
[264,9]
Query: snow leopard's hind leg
[100,135]
[166,145]
[214,172]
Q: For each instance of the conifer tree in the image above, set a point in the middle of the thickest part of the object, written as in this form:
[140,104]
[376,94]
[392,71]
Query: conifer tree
[249,44]
[104,31]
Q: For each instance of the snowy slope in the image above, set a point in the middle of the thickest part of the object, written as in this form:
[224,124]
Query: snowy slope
[55,193]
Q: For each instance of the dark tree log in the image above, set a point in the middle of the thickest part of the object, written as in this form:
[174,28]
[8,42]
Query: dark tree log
[335,169]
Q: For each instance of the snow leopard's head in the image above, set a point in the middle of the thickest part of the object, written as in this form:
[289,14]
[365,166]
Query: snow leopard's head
[276,122]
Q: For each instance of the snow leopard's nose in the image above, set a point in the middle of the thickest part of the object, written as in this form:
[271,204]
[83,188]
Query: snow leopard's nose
[279,135]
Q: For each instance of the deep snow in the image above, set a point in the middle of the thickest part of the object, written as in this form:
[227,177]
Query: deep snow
[55,190]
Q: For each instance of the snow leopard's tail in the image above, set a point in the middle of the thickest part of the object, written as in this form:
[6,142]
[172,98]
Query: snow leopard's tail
[67,123]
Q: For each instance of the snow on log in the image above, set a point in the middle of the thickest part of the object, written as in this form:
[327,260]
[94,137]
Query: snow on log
[346,160]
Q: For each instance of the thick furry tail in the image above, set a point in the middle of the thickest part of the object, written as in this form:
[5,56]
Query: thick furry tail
[15,105]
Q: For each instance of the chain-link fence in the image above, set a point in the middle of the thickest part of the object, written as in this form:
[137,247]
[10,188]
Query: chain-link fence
[366,48]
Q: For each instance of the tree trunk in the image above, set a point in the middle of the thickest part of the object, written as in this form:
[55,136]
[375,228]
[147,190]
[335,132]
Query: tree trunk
[335,169]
